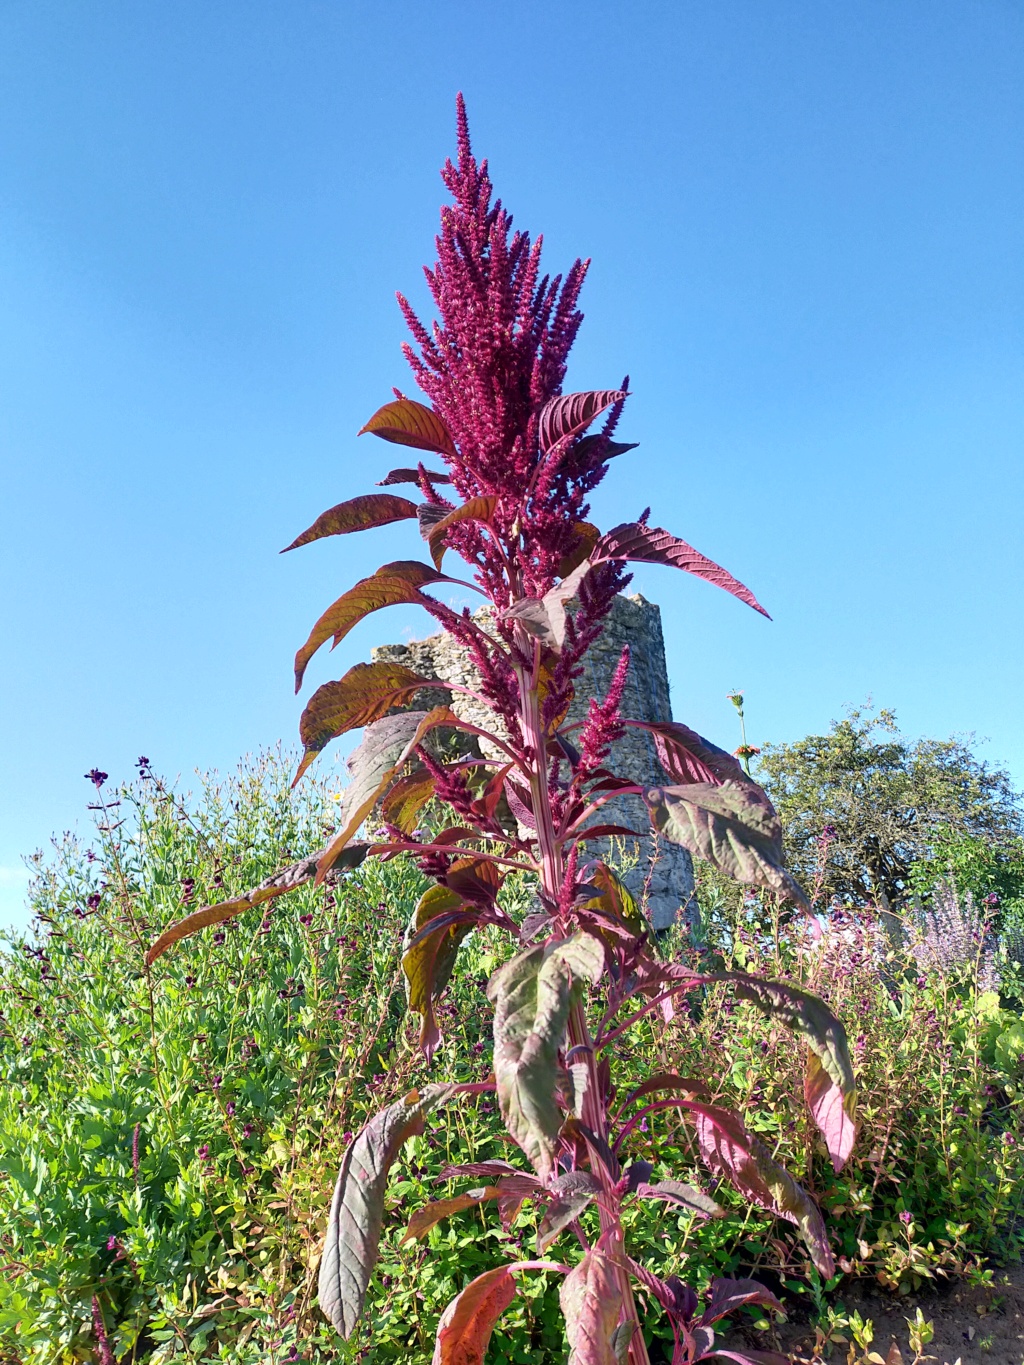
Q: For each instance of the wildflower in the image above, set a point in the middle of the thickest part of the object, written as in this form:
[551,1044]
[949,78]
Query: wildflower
[188,889]
[204,1152]
[906,1217]
[992,900]
[93,901]
[219,938]
[190,981]
[247,1130]
[215,1081]
[746,751]
[305,919]
[112,1243]
[828,832]
[96,777]
[229,1109]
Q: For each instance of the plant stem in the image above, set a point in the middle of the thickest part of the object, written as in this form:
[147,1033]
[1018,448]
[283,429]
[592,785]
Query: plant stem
[578,1031]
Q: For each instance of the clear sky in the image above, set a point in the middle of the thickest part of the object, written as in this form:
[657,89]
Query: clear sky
[807,225]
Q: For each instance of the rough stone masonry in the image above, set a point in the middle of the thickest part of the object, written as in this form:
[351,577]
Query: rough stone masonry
[633,621]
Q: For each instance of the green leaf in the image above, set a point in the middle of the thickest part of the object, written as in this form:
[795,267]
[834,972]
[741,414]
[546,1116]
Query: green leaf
[729,1150]
[532,995]
[391,585]
[429,963]
[357,514]
[365,694]
[357,1209]
[408,423]
[464,1332]
[591,1301]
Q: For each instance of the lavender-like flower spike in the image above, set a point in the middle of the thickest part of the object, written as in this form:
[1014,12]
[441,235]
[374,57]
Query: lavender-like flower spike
[954,937]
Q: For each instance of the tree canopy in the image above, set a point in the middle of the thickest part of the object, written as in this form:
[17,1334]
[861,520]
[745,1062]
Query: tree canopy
[862,804]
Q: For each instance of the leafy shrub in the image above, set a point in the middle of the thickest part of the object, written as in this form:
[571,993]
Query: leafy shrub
[273,1045]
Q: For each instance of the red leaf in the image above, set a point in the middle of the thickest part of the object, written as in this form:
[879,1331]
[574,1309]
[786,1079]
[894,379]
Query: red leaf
[429,957]
[363,695]
[731,824]
[728,1295]
[408,423]
[358,514]
[475,879]
[596,449]
[411,476]
[652,545]
[386,746]
[832,1111]
[277,885]
[586,535]
[357,1209]
[390,585]
[591,1299]
[729,1150]
[405,800]
[431,1214]
[464,1331]
[486,1170]
[571,413]
[687,756]
[475,509]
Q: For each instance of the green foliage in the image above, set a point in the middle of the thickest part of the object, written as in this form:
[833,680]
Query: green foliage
[249,1056]
[888,804]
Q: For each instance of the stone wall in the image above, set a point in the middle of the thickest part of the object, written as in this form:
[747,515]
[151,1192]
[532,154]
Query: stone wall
[633,621]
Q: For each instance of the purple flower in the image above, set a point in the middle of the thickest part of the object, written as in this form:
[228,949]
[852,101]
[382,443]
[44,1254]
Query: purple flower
[112,1243]
[906,1217]
[215,1081]
[204,1152]
[229,1109]
[992,900]
[305,919]
[96,777]
[106,1355]
[93,901]
[219,938]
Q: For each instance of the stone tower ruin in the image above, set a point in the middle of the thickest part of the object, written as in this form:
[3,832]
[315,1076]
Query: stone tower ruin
[633,621]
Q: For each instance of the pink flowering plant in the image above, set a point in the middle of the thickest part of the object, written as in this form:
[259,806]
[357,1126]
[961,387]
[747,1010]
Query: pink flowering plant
[520,458]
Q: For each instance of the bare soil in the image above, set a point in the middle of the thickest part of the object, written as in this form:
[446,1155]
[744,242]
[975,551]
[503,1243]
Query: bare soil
[975,1326]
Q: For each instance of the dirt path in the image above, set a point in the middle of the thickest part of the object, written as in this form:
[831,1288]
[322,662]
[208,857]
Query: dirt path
[983,1326]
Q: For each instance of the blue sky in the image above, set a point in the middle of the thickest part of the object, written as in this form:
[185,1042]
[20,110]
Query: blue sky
[806,222]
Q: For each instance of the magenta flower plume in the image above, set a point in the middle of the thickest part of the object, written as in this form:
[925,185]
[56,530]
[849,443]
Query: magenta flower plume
[488,366]
[106,1355]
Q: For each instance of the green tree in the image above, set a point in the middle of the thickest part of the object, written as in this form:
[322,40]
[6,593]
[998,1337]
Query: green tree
[862,805]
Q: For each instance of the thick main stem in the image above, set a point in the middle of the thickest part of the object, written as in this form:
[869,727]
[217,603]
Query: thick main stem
[578,1031]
